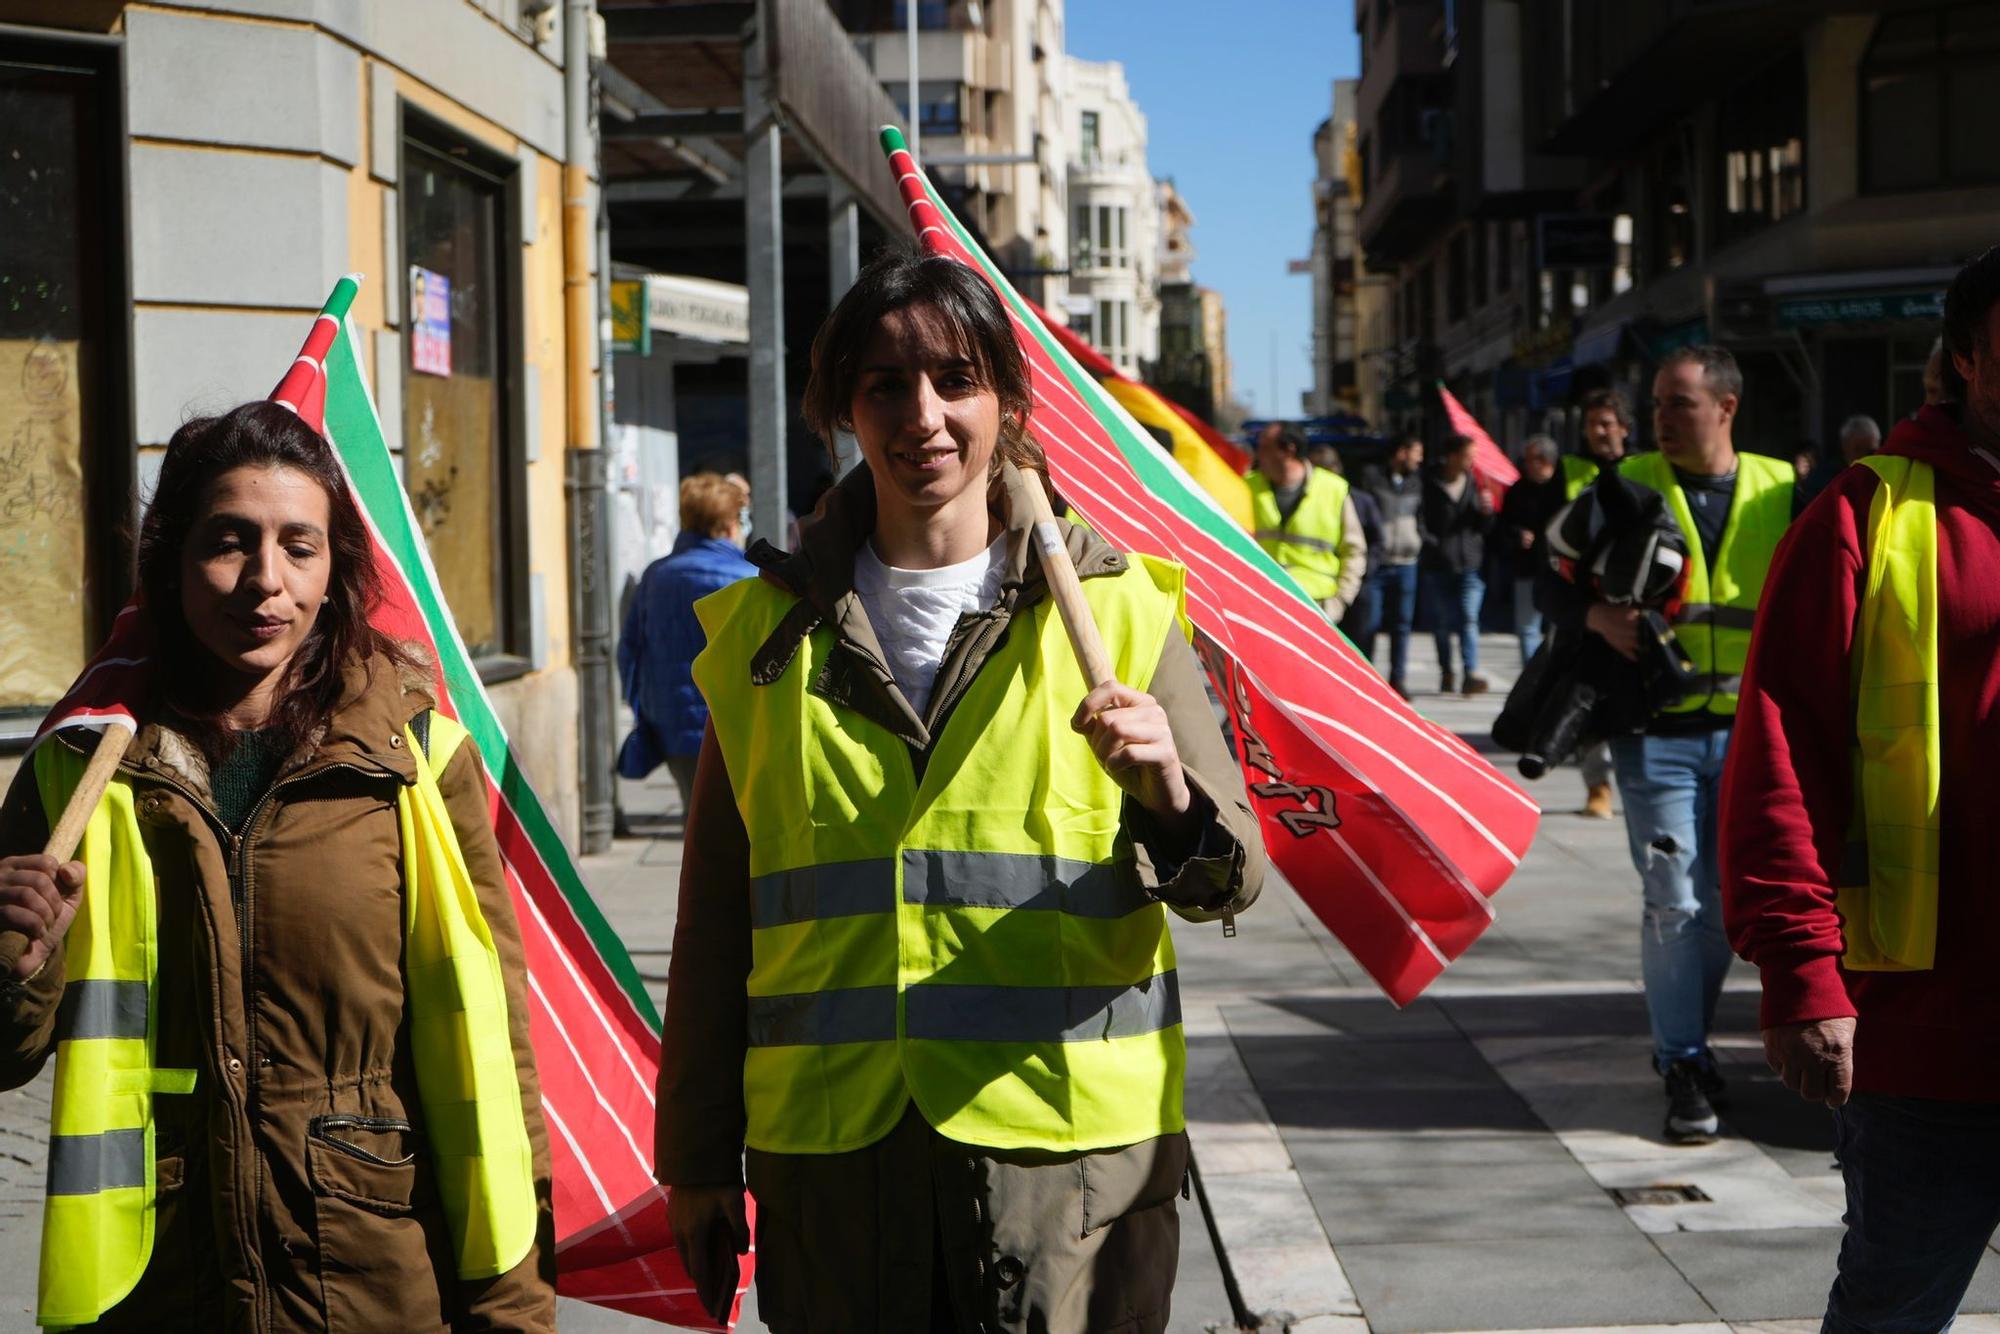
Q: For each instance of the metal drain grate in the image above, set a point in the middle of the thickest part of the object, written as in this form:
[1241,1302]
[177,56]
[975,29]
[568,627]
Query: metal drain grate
[1659,1194]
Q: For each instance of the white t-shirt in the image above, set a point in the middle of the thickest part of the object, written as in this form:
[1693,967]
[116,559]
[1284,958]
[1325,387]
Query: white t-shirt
[913,611]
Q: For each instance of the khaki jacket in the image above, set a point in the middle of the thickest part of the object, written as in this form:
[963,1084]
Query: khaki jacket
[290,1008]
[1000,1219]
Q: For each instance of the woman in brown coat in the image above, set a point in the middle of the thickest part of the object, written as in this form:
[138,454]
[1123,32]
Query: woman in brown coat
[295,1188]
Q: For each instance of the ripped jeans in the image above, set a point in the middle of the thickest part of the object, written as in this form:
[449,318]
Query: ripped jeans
[1671,787]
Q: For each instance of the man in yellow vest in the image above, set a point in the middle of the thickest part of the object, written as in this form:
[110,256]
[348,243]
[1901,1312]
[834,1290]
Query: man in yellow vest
[1732,508]
[1860,868]
[1306,520]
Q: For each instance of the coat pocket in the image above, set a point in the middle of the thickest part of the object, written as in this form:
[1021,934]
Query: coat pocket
[377,1255]
[367,1161]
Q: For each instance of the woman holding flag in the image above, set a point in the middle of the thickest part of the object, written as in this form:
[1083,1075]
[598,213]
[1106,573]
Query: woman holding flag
[921,967]
[281,982]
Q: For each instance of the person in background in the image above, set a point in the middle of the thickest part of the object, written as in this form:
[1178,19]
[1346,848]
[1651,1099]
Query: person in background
[1732,508]
[1526,510]
[1398,490]
[1860,856]
[1305,522]
[1805,460]
[1607,423]
[662,638]
[1456,518]
[1859,437]
[1358,624]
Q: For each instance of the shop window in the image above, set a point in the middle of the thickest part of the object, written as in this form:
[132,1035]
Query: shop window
[461,463]
[1761,152]
[65,460]
[1673,212]
[1926,91]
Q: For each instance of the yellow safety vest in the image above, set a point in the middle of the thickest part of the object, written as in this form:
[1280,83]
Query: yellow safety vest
[1579,471]
[1719,606]
[97,1219]
[1888,892]
[976,939]
[1308,543]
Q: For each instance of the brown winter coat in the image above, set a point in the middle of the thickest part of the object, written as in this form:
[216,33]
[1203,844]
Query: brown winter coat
[290,1010]
[1061,1242]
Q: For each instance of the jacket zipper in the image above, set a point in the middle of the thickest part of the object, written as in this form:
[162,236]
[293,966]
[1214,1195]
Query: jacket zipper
[319,1126]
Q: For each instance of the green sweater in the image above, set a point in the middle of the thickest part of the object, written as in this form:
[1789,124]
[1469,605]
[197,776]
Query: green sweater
[240,781]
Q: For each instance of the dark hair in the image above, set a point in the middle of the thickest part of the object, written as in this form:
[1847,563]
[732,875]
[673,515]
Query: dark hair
[1967,302]
[1289,437]
[1719,370]
[1455,442]
[1404,439]
[258,435]
[1612,400]
[970,312]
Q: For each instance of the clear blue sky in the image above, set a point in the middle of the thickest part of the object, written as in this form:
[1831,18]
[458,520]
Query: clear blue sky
[1232,91]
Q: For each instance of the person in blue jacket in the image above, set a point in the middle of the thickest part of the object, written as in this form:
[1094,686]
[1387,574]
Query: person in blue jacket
[662,636]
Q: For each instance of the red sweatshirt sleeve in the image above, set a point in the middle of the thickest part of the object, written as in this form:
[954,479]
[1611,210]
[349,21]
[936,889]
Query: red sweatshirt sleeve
[1786,788]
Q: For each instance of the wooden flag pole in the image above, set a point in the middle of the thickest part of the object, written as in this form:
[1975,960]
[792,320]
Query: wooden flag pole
[1067,590]
[89,790]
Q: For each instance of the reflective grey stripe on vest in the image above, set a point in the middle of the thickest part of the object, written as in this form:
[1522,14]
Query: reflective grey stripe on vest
[1030,881]
[1042,1014]
[101,1007]
[1717,615]
[87,1164]
[1297,540]
[967,1014]
[822,1018]
[809,893]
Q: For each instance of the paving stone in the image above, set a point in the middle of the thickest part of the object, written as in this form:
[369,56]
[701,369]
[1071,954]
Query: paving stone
[1336,1064]
[1613,1278]
[1782,1274]
[1750,1193]
[1366,1111]
[1281,1284]
[1455,1203]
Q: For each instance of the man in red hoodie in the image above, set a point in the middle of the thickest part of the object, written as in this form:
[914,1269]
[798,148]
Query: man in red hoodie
[1876,923]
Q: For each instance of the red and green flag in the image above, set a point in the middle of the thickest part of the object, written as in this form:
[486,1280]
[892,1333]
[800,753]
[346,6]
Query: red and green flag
[594,1028]
[1395,831]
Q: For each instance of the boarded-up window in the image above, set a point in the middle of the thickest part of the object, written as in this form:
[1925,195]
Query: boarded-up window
[62,441]
[456,392]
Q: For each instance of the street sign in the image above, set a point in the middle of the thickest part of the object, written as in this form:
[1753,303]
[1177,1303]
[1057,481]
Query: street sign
[1859,308]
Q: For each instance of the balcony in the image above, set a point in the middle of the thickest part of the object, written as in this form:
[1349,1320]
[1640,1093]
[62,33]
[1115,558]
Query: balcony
[1409,202]
[1411,43]
[1639,64]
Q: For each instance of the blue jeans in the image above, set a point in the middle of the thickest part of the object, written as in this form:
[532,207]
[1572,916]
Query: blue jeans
[1361,619]
[1396,599]
[1671,786]
[1454,601]
[1923,1197]
[1527,620]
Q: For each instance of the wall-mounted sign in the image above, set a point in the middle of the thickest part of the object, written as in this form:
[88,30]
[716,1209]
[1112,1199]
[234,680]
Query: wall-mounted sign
[1575,241]
[1859,308]
[430,322]
[695,308]
[629,330]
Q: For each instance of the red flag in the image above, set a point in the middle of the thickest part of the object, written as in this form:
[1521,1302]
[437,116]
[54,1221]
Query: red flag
[1490,464]
[1392,829]
[593,1026]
